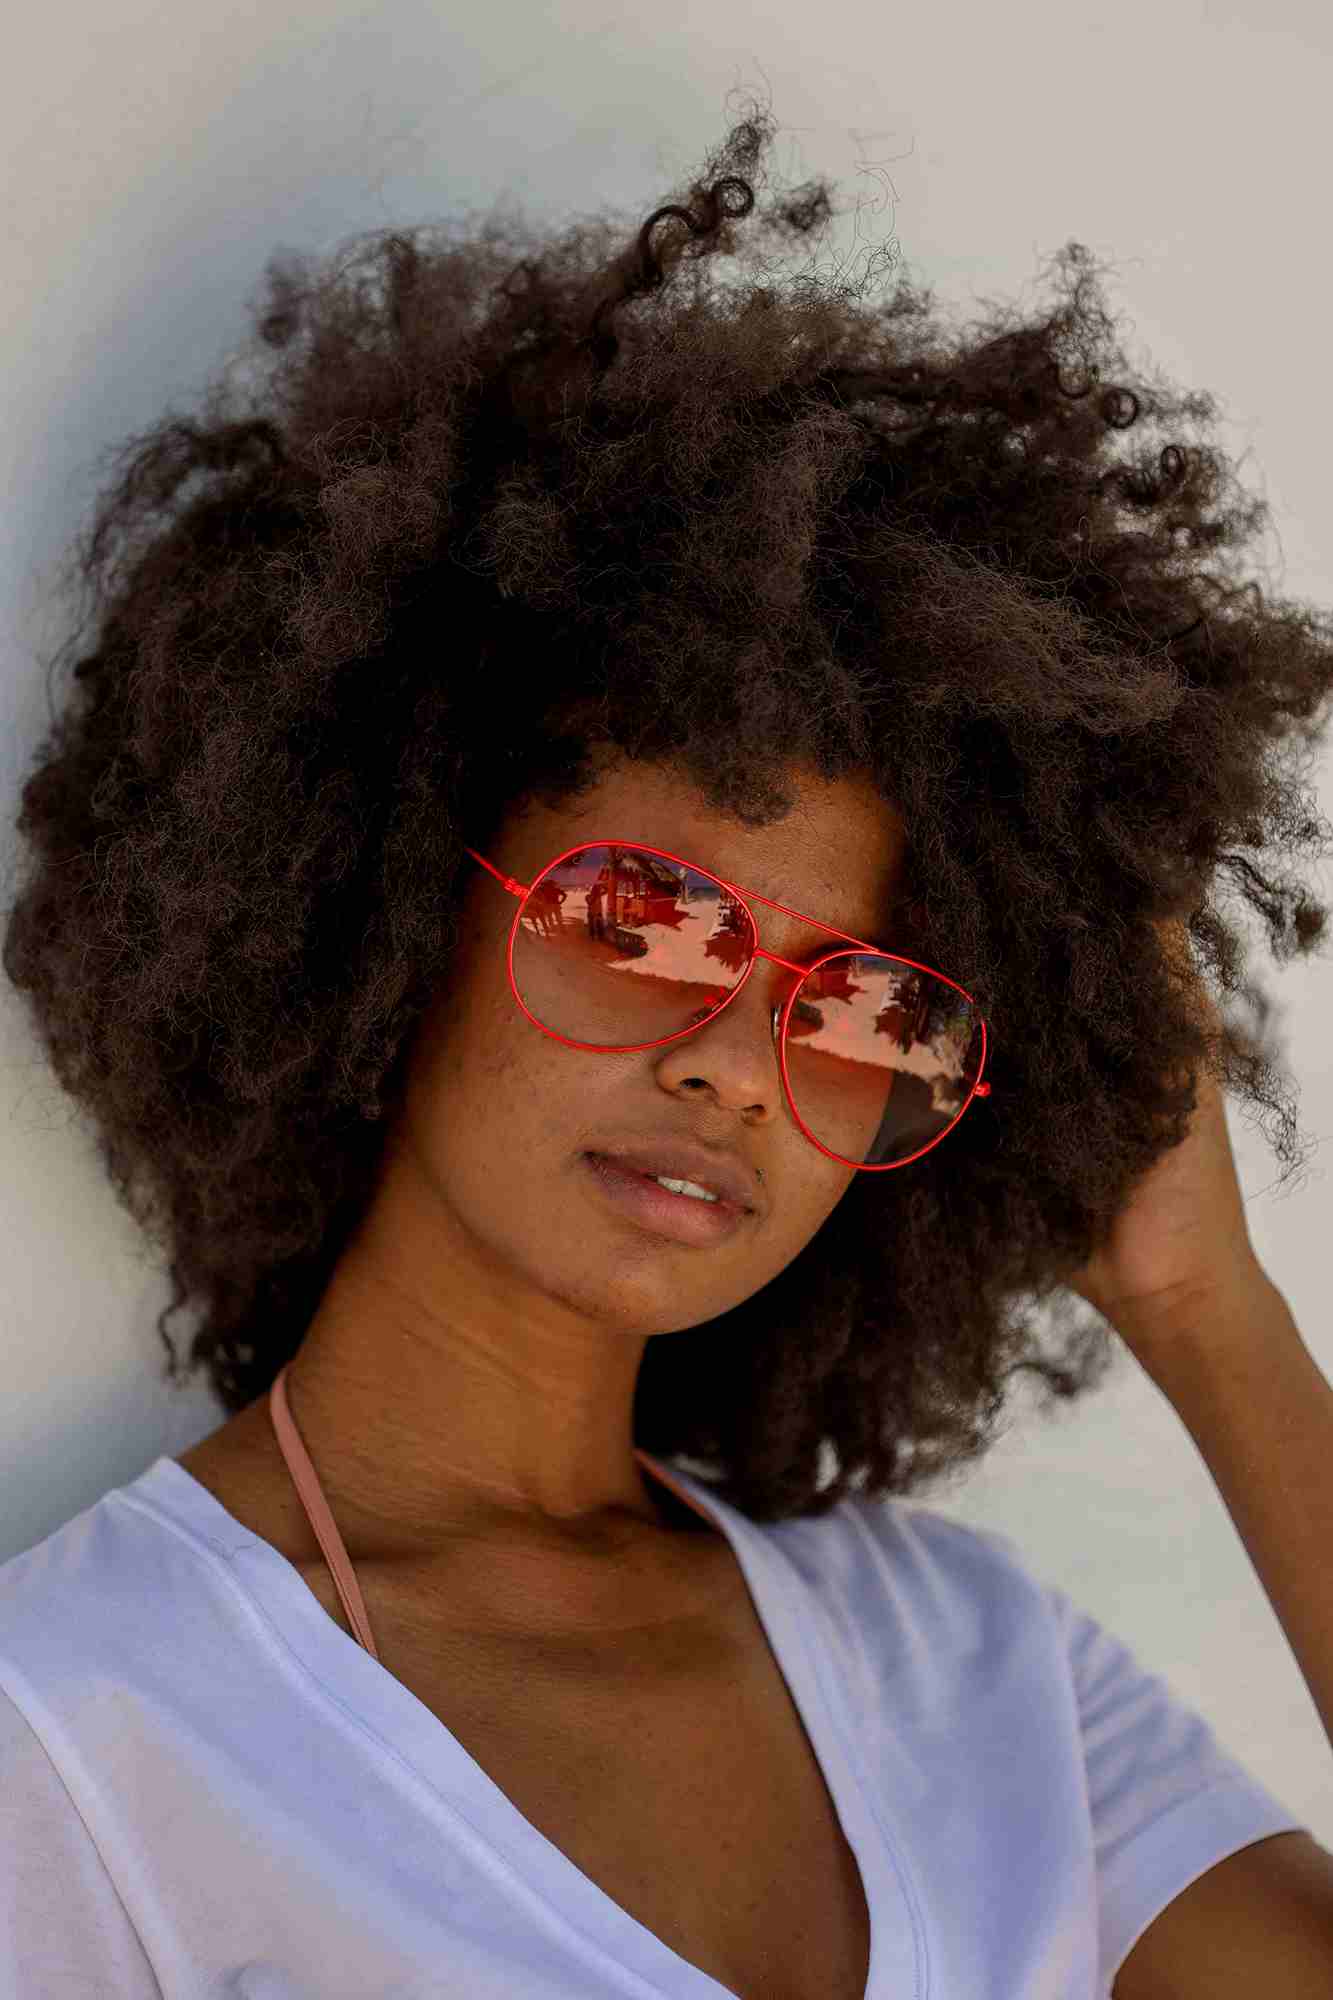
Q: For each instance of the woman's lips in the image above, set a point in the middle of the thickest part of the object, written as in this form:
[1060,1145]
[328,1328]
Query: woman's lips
[679,1216]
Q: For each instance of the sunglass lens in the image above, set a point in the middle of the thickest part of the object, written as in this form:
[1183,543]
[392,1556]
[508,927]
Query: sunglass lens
[617,947]
[881,1057]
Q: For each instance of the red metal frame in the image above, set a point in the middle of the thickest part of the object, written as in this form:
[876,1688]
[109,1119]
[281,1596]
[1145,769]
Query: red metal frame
[745,897]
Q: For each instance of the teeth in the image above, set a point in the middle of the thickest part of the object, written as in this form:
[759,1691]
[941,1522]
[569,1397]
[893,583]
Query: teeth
[684,1187]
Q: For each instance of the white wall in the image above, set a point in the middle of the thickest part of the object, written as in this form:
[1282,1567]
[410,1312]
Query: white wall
[155,154]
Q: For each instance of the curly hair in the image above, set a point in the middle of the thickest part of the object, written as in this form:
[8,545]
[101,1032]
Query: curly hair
[471,501]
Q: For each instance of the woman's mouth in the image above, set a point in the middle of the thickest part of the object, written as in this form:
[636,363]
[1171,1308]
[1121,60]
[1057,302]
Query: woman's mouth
[685,1218]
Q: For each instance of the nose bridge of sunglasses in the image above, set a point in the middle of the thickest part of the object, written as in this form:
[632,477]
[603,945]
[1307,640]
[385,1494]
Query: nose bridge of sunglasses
[787,977]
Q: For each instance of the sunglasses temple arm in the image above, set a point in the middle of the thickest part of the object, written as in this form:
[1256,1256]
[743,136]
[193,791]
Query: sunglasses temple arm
[505,881]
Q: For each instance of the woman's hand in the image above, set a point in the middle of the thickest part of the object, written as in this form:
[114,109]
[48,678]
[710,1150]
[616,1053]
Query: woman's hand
[1181,1241]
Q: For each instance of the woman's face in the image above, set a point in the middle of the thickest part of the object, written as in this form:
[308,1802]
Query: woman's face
[501,1118]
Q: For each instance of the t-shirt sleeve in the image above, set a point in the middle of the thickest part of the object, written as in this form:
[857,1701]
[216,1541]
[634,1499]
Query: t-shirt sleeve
[1166,1800]
[64,1931]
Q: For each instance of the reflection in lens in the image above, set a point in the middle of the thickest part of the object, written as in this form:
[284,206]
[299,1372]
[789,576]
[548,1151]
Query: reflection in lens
[617,947]
[889,1064]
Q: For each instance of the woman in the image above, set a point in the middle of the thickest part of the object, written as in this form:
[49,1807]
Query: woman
[426,1671]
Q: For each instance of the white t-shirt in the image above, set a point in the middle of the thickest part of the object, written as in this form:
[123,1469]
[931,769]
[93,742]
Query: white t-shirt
[208,1788]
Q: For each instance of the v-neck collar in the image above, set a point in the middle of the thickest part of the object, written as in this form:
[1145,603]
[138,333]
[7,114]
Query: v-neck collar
[371,1697]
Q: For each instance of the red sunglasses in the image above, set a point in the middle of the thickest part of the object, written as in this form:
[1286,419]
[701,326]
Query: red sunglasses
[626,892]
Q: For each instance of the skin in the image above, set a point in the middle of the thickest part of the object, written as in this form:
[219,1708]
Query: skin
[465,1388]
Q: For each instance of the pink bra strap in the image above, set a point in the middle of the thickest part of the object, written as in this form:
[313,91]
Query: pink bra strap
[660,1472]
[317,1508]
[321,1519]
